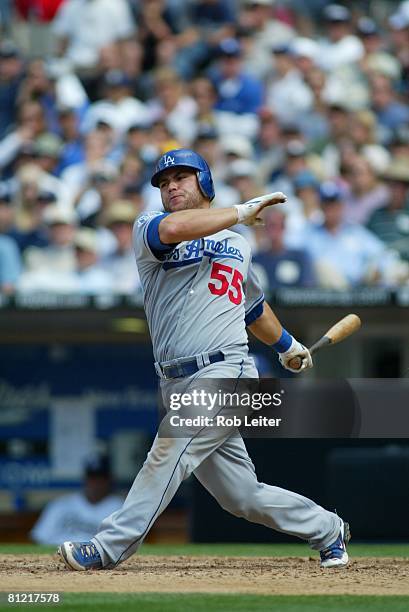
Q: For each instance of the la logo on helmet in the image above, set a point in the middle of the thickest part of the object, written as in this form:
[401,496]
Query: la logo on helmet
[169,161]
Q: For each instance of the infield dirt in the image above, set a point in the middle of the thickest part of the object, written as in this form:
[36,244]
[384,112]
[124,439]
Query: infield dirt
[184,574]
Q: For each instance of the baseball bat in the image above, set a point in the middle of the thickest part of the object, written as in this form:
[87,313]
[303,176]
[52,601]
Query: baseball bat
[338,332]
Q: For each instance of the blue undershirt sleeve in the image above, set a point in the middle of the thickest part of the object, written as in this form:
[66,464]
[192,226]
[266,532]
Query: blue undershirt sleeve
[254,313]
[158,248]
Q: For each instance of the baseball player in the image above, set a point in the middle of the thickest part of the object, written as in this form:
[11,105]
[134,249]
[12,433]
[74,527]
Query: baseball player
[200,294]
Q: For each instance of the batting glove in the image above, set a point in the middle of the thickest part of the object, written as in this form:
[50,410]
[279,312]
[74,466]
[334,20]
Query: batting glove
[248,213]
[296,350]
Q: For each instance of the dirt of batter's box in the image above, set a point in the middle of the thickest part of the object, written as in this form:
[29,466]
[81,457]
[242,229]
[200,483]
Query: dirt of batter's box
[254,575]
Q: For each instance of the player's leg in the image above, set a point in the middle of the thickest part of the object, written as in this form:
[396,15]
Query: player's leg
[121,533]
[229,475]
[174,455]
[165,467]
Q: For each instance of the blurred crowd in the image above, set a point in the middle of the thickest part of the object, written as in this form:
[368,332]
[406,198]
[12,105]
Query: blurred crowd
[310,98]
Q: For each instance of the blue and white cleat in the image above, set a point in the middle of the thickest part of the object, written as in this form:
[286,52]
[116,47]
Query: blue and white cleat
[336,554]
[80,556]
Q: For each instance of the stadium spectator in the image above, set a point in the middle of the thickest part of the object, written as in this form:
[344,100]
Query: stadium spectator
[78,515]
[305,53]
[58,255]
[89,278]
[47,152]
[200,26]
[236,146]
[204,94]
[45,157]
[116,106]
[32,188]
[207,144]
[288,95]
[314,124]
[30,125]
[97,145]
[82,28]
[173,105]
[131,173]
[363,128]
[52,83]
[306,190]
[130,55]
[167,35]
[237,90]
[268,149]
[296,160]
[329,148]
[46,267]
[366,192]
[376,57]
[390,111]
[27,225]
[283,266]
[225,122]
[120,264]
[344,254]
[399,145]
[215,20]
[391,222]
[242,175]
[72,150]
[341,47]
[260,26]
[38,85]
[101,190]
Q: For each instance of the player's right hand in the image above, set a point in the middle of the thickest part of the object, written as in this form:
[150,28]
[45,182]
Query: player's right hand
[296,350]
[248,212]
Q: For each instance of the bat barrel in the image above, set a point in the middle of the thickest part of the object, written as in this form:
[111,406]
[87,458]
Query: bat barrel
[338,332]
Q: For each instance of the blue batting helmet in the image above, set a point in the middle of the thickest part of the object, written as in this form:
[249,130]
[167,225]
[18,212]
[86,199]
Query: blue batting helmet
[190,159]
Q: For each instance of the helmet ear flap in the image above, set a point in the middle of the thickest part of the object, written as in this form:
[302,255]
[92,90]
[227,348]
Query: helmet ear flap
[205,181]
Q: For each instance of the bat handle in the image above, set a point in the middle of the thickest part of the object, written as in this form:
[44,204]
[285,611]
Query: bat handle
[296,362]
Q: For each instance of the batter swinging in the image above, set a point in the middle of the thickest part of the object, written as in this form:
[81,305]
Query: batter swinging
[200,293]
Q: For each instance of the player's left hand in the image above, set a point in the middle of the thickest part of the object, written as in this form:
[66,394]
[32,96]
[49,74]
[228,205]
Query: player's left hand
[249,212]
[296,350]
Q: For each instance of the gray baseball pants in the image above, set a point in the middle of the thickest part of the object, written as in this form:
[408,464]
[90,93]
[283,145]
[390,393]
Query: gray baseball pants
[218,458]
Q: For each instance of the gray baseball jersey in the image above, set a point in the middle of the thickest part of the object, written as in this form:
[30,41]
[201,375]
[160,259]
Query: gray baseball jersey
[209,280]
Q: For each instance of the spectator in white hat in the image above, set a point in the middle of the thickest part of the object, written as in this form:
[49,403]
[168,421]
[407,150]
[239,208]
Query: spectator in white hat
[341,47]
[59,254]
[120,264]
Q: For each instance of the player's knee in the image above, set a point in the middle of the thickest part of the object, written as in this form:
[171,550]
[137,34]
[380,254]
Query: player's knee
[241,504]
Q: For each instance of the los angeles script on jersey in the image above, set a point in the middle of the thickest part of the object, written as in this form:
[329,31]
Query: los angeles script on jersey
[193,251]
